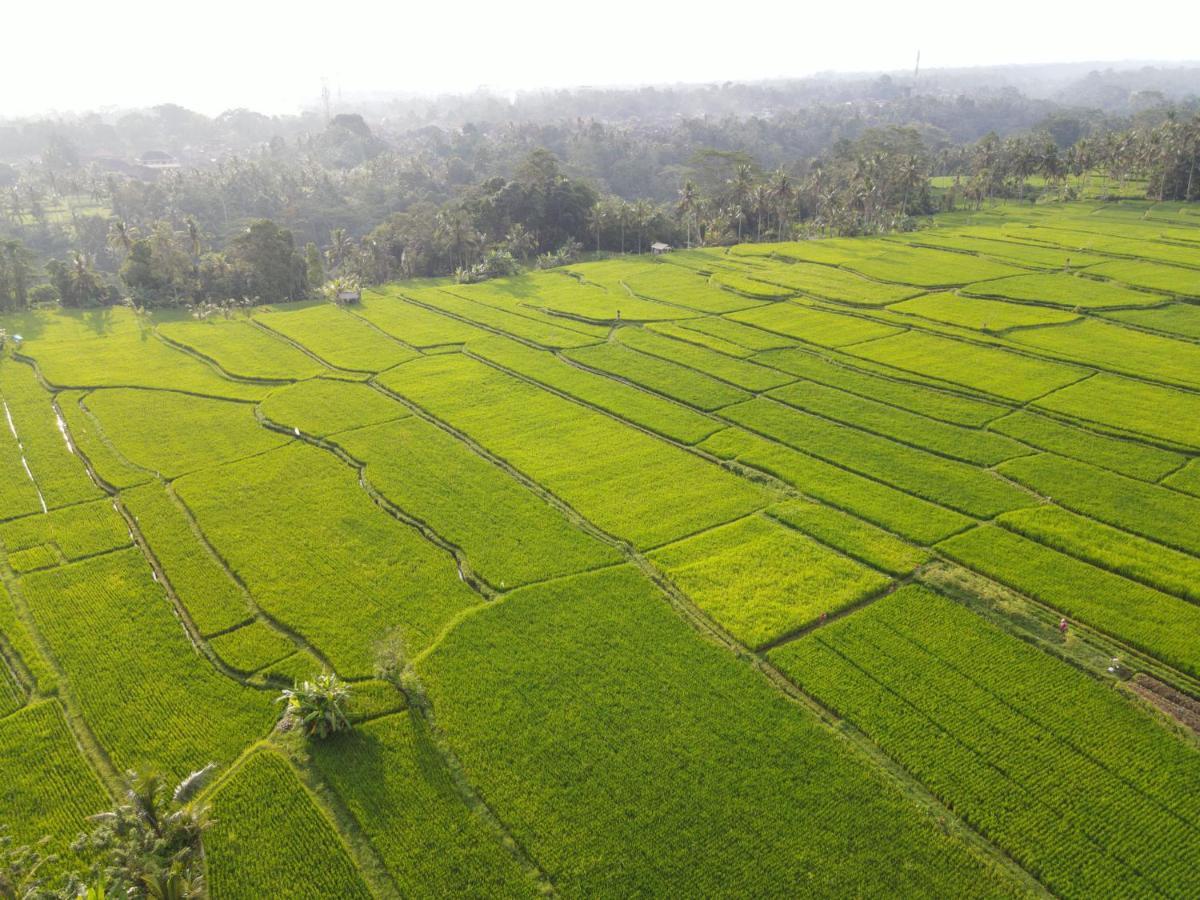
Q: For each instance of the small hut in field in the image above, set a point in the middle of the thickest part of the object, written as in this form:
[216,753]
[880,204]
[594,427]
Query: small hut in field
[658,248]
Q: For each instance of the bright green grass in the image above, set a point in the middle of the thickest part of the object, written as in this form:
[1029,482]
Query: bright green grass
[761,580]
[210,596]
[1156,276]
[509,534]
[12,691]
[885,506]
[699,338]
[923,267]
[759,290]
[397,788]
[1077,784]
[78,531]
[56,468]
[673,284]
[839,372]
[829,283]
[1059,289]
[639,487]
[737,333]
[559,292]
[1146,509]
[1186,479]
[1157,412]
[272,840]
[992,245]
[1109,346]
[951,483]
[458,302]
[242,349]
[386,309]
[171,433]
[1115,243]
[747,375]
[684,772]
[251,647]
[852,536]
[1159,624]
[18,494]
[324,406]
[660,375]
[338,337]
[1182,319]
[673,420]
[1110,548]
[32,559]
[47,788]
[979,313]
[91,442]
[966,444]
[988,369]
[524,294]
[1119,455]
[814,326]
[341,571]
[151,700]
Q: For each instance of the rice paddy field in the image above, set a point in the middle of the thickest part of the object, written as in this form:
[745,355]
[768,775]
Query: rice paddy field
[854,567]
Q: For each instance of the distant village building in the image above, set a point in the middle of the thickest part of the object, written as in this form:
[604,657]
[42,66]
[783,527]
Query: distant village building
[349,296]
[658,247]
[158,159]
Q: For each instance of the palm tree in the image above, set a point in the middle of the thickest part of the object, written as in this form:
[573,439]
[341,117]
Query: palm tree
[318,706]
[760,202]
[689,202]
[339,248]
[739,192]
[782,193]
[120,237]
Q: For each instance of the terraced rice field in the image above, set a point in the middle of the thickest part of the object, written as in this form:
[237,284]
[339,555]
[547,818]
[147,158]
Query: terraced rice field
[737,571]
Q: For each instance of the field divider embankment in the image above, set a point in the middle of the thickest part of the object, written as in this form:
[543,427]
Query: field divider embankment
[466,573]
[21,452]
[866,750]
[296,345]
[217,367]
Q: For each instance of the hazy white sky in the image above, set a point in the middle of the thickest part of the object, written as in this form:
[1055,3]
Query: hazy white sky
[215,54]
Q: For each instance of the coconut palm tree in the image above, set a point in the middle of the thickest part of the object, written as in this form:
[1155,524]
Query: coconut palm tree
[319,707]
[340,246]
[782,192]
[121,237]
[689,203]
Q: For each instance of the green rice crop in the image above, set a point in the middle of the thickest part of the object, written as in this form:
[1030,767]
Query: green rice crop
[1156,276]
[341,571]
[47,788]
[680,747]
[152,701]
[33,558]
[388,774]
[945,481]
[1186,479]
[21,644]
[113,347]
[680,333]
[1120,244]
[509,534]
[750,287]
[272,840]
[78,531]
[640,487]
[1119,455]
[459,303]
[853,536]
[673,420]
[212,599]
[1146,509]
[1110,346]
[12,693]
[1182,319]
[242,349]
[251,647]
[324,406]
[57,470]
[338,337]
[1157,412]
[386,309]
[1077,784]
[1060,289]
[747,375]
[988,369]
[814,326]
[829,283]
[921,266]
[660,375]
[737,333]
[674,284]
[18,495]
[1159,624]
[912,517]
[761,580]
[524,294]
[559,292]
[171,433]
[90,442]
[988,243]
[969,445]
[979,313]
[1110,548]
